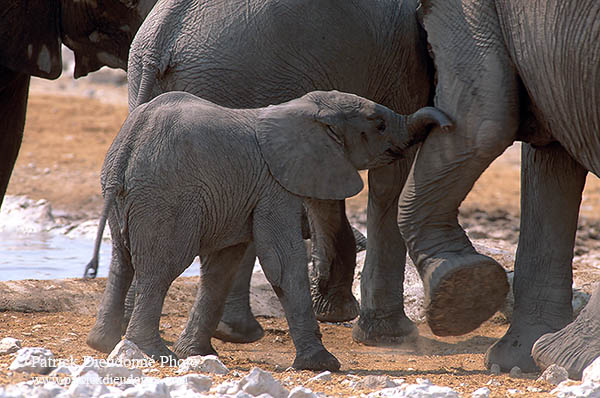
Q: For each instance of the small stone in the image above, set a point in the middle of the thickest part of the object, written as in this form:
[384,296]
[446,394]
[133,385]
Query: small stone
[302,392]
[554,374]
[8,345]
[90,385]
[533,389]
[125,351]
[258,382]
[482,392]
[61,370]
[33,360]
[205,364]
[187,385]
[495,369]
[592,372]
[324,376]
[515,372]
[373,382]
[147,389]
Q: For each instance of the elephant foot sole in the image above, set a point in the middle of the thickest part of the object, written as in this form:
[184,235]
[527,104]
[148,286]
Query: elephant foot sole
[103,339]
[335,306]
[320,360]
[384,332]
[463,292]
[241,332]
[574,347]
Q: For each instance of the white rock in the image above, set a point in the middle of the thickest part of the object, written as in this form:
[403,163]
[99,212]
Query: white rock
[301,392]
[227,388]
[205,364]
[570,389]
[89,385]
[243,394]
[8,345]
[20,390]
[554,374]
[126,351]
[107,369]
[592,372]
[148,389]
[33,360]
[373,382]
[258,382]
[415,391]
[187,385]
[48,390]
[482,392]
[62,370]
[324,376]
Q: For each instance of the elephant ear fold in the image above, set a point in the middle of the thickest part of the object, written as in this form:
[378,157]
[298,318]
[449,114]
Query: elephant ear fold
[30,37]
[303,153]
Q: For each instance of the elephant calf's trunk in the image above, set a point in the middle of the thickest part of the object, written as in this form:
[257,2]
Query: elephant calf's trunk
[418,124]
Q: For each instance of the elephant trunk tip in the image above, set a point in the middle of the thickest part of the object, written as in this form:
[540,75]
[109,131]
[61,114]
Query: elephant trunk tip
[418,122]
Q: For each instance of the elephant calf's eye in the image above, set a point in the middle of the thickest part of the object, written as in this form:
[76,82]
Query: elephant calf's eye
[381,126]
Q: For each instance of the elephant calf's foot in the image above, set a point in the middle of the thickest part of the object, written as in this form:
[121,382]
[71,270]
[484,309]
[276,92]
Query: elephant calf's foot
[462,292]
[246,330]
[335,306]
[103,339]
[156,350]
[318,360]
[514,349]
[574,347]
[375,330]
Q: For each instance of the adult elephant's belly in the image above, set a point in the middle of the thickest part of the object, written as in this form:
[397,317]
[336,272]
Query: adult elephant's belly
[558,64]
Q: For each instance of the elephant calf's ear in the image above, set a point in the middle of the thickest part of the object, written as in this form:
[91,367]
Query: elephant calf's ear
[303,155]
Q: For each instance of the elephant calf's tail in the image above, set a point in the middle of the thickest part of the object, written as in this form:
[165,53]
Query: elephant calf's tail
[91,269]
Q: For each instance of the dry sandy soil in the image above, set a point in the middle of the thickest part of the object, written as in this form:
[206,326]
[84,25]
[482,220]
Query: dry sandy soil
[66,138]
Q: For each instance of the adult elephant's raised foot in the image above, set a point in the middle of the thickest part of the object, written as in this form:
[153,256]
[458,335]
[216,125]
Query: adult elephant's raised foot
[462,291]
[575,346]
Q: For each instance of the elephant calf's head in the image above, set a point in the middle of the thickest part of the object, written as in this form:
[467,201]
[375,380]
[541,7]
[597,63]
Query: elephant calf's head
[315,144]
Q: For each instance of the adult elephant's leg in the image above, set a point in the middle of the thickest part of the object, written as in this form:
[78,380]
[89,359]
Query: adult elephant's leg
[238,324]
[575,346]
[477,86]
[551,186]
[14,88]
[382,317]
[333,261]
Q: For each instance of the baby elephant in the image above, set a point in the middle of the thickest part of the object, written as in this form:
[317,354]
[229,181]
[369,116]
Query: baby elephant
[186,177]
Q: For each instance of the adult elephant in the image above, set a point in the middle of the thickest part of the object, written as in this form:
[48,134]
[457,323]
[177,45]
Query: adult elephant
[244,54]
[32,32]
[509,70]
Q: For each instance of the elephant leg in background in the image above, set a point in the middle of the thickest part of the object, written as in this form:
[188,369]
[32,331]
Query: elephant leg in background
[551,187]
[14,89]
[238,324]
[576,345]
[216,277]
[333,261]
[382,317]
[478,87]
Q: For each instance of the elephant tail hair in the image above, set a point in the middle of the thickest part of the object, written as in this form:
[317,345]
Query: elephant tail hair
[91,269]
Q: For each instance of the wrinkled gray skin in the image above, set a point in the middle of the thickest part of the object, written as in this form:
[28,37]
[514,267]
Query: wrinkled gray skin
[99,34]
[185,177]
[509,70]
[249,54]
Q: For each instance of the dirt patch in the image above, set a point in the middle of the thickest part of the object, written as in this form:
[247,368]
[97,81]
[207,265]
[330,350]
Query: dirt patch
[65,141]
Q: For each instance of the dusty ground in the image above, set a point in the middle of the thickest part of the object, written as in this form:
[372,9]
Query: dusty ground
[66,138]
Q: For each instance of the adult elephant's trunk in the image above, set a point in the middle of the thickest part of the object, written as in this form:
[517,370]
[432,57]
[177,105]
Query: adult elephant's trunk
[478,88]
